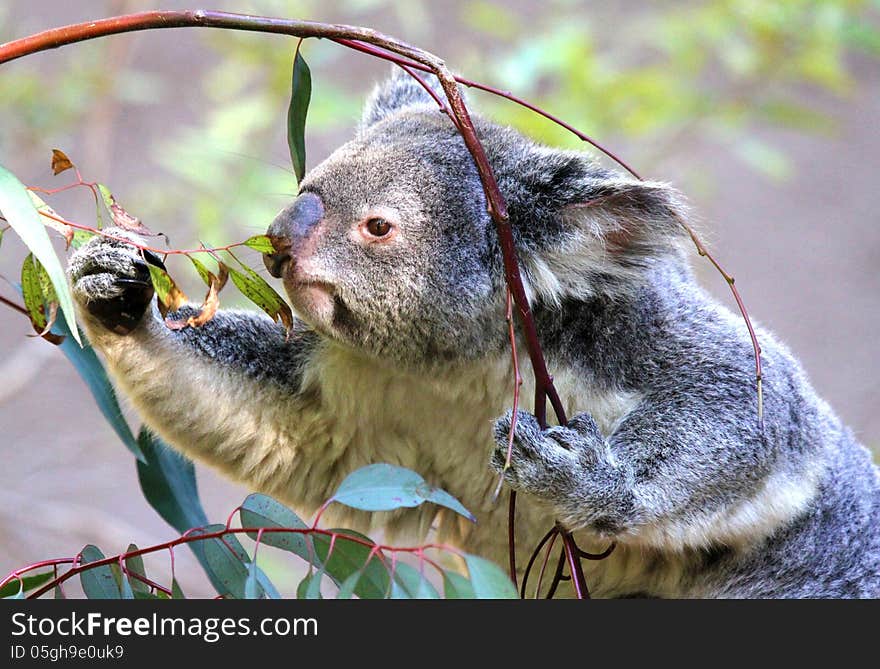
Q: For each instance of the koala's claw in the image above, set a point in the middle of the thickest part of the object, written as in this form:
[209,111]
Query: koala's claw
[112,283]
[544,461]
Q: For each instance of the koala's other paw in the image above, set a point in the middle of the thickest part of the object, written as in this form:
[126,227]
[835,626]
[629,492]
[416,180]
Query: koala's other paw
[549,462]
[111,281]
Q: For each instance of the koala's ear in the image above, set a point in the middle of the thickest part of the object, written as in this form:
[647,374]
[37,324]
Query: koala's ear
[399,91]
[583,229]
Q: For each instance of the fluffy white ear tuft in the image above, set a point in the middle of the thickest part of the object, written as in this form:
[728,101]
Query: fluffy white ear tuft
[607,240]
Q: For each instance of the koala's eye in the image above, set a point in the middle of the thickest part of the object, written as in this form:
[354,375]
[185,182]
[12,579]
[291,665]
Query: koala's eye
[378,227]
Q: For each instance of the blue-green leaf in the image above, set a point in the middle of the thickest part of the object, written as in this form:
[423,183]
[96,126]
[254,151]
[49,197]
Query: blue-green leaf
[168,481]
[252,589]
[99,582]
[383,487]
[20,213]
[410,583]
[456,586]
[300,95]
[262,511]
[310,586]
[488,579]
[225,562]
[346,590]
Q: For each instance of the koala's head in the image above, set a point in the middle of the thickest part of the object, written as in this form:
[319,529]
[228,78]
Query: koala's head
[389,248]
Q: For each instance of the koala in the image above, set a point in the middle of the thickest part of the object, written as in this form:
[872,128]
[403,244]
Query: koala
[400,354]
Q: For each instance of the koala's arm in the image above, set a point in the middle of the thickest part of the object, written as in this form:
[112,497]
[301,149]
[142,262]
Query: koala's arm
[686,467]
[224,392]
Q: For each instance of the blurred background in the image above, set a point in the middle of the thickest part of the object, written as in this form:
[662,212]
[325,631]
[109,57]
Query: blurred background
[763,113]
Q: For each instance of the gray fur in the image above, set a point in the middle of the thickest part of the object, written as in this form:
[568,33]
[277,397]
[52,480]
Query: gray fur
[664,454]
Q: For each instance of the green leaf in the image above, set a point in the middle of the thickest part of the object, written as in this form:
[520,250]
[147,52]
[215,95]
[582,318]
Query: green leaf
[488,579]
[16,587]
[300,95]
[226,561]
[255,288]
[349,557]
[35,300]
[262,511]
[203,271]
[106,196]
[20,213]
[80,237]
[176,592]
[169,295]
[135,565]
[303,588]
[456,586]
[383,487]
[260,243]
[410,583]
[99,582]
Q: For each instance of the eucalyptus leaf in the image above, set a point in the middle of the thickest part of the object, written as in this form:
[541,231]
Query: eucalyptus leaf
[456,586]
[348,557]
[260,243]
[383,487]
[300,95]
[255,288]
[259,510]
[98,582]
[135,565]
[488,579]
[252,589]
[19,211]
[410,583]
[26,583]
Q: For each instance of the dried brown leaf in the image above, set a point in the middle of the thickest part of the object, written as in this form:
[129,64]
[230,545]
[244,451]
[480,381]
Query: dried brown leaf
[60,161]
[126,221]
[209,307]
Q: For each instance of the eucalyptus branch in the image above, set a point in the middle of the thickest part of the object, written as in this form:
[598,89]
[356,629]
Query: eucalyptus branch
[77,567]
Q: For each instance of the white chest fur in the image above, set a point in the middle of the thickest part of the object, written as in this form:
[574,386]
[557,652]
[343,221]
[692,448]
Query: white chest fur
[440,426]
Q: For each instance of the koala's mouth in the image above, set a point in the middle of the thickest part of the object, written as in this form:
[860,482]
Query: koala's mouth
[314,300]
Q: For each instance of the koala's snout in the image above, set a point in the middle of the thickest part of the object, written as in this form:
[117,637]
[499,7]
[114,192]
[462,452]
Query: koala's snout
[290,229]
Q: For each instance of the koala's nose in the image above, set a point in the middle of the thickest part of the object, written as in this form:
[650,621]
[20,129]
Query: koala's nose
[290,228]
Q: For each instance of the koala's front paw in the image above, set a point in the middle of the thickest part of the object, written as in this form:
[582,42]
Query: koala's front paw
[550,463]
[111,281]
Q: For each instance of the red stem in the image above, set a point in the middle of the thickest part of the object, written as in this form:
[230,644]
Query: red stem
[188,537]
